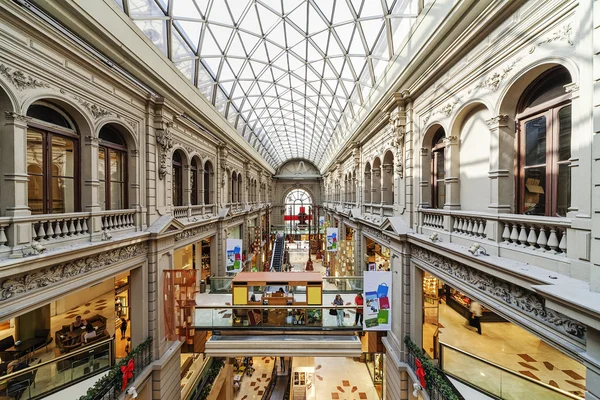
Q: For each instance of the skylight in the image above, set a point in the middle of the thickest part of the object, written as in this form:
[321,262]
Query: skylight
[289,75]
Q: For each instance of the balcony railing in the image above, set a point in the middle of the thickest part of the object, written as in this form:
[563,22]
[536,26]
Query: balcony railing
[265,317]
[331,284]
[543,234]
[44,378]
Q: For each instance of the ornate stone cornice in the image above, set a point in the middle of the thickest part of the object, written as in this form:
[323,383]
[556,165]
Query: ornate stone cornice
[10,115]
[516,297]
[194,231]
[498,120]
[22,284]
[164,140]
[375,232]
[563,33]
[19,80]
[493,81]
[96,111]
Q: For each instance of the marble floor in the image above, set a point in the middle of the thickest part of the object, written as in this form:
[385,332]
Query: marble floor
[252,387]
[510,346]
[343,378]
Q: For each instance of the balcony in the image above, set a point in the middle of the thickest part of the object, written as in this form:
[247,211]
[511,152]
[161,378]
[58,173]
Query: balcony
[183,213]
[58,230]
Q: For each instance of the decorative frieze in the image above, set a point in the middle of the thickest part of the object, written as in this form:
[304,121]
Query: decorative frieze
[96,111]
[562,34]
[194,231]
[517,297]
[164,140]
[493,81]
[19,80]
[377,233]
[21,284]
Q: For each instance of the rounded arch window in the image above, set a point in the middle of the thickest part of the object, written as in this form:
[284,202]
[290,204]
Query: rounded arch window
[208,190]
[438,188]
[544,145]
[112,169]
[177,183]
[53,161]
[297,210]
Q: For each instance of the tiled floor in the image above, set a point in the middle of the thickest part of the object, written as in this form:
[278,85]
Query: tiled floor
[252,387]
[343,378]
[510,346]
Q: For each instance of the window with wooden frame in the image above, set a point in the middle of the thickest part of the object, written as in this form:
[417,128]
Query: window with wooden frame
[208,197]
[438,187]
[112,170]
[52,161]
[544,146]
[194,181]
[177,184]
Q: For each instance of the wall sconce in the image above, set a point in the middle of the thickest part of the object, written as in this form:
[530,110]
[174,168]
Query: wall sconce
[435,238]
[417,388]
[37,247]
[476,249]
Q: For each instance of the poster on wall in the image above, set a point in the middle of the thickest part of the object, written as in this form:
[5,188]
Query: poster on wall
[233,263]
[332,239]
[377,309]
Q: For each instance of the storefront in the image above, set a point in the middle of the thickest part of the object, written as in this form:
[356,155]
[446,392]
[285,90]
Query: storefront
[377,256]
[195,256]
[346,253]
[375,363]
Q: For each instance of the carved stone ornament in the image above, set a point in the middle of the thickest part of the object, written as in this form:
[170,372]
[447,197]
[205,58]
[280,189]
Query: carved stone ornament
[21,284]
[96,111]
[194,231]
[20,80]
[424,151]
[164,140]
[450,140]
[563,33]
[499,120]
[517,297]
[375,232]
[10,115]
[493,81]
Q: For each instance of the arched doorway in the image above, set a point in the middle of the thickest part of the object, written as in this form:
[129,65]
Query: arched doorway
[297,216]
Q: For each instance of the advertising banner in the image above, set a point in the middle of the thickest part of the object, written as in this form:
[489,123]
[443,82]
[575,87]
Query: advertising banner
[332,239]
[378,300]
[233,258]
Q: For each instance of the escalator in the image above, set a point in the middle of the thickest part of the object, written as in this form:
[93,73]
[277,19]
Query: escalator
[278,252]
[280,382]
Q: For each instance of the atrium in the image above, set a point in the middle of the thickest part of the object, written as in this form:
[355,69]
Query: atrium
[299,199]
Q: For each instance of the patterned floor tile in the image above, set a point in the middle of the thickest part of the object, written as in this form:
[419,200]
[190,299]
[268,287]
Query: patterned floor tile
[340,389]
[362,396]
[526,357]
[345,383]
[554,384]
[335,396]
[523,364]
[529,374]
[548,365]
[579,385]
[573,374]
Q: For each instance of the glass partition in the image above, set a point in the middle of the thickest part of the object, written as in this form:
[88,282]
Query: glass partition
[41,379]
[494,379]
[331,284]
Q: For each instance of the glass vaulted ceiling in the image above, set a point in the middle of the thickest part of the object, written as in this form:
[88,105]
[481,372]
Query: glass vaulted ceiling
[290,75]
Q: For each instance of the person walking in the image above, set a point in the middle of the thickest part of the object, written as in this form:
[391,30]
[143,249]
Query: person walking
[123,328]
[476,313]
[359,301]
[338,301]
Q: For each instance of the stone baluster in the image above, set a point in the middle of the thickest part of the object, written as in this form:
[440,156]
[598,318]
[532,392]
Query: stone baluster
[3,238]
[563,242]
[475,228]
[542,239]
[553,240]
[532,237]
[481,230]
[506,233]
[522,239]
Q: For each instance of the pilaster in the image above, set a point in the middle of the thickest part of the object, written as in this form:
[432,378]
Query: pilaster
[501,164]
[452,173]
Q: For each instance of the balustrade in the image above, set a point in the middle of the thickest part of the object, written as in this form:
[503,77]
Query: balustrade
[55,227]
[433,219]
[468,226]
[117,220]
[180,212]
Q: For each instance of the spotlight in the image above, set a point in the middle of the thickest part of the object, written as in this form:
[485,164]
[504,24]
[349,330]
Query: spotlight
[37,247]
[132,392]
[477,250]
[106,236]
[416,390]
[435,238]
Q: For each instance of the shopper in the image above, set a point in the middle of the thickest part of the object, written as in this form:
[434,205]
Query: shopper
[359,301]
[123,328]
[476,313]
[340,313]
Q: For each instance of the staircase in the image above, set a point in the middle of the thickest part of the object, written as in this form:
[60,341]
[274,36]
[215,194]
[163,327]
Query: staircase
[278,251]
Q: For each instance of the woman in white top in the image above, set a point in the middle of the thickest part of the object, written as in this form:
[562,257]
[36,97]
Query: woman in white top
[90,332]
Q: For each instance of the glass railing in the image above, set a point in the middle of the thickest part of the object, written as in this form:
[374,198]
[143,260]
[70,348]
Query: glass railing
[45,377]
[284,317]
[331,284]
[494,379]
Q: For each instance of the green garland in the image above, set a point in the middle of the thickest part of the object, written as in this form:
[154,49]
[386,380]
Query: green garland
[114,375]
[211,375]
[432,377]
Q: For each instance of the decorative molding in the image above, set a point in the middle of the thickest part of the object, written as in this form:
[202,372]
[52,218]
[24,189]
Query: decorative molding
[92,139]
[424,151]
[96,111]
[517,297]
[164,139]
[571,88]
[194,231]
[561,34]
[498,120]
[24,283]
[376,233]
[10,115]
[21,81]
[450,140]
[445,110]
[493,81]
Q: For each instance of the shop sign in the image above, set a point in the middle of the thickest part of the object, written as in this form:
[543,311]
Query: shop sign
[377,308]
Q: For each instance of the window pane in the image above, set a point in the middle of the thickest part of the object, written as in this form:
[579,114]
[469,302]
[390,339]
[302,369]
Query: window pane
[116,166]
[101,165]
[63,157]
[206,187]
[535,191]
[102,195]
[564,190]
[116,195]
[535,141]
[194,186]
[564,133]
[441,193]
[176,185]
[439,161]
[63,195]
[35,165]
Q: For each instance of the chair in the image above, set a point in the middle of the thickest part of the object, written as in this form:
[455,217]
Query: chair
[43,339]
[255,317]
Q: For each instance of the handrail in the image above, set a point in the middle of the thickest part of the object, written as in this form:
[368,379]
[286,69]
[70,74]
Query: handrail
[267,306]
[500,367]
[55,360]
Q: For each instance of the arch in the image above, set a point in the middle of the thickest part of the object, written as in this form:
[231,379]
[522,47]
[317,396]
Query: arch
[196,180]
[367,180]
[428,190]
[83,121]
[376,181]
[8,100]
[115,148]
[465,109]
[178,160]
[208,183]
[387,178]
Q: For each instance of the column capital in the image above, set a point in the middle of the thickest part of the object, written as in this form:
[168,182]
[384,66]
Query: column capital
[16,118]
[450,140]
[424,151]
[497,121]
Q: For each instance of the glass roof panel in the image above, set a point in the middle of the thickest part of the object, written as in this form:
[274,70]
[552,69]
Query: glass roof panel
[324,57]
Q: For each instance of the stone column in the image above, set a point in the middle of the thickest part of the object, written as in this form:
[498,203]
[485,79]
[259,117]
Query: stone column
[416,305]
[592,374]
[141,305]
[501,165]
[89,195]
[425,200]
[13,169]
[452,173]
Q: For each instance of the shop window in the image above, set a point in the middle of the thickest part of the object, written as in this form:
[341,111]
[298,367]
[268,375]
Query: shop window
[52,161]
[194,181]
[208,188]
[438,189]
[177,183]
[544,141]
[112,170]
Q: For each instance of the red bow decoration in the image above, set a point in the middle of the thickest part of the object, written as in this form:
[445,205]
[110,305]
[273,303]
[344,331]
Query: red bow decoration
[420,373]
[127,371]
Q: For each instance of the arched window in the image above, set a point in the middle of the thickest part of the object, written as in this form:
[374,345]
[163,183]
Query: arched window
[233,186]
[177,184]
[194,181]
[438,188]
[367,183]
[387,178]
[240,190]
[52,161]
[112,169]
[208,187]
[544,141]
